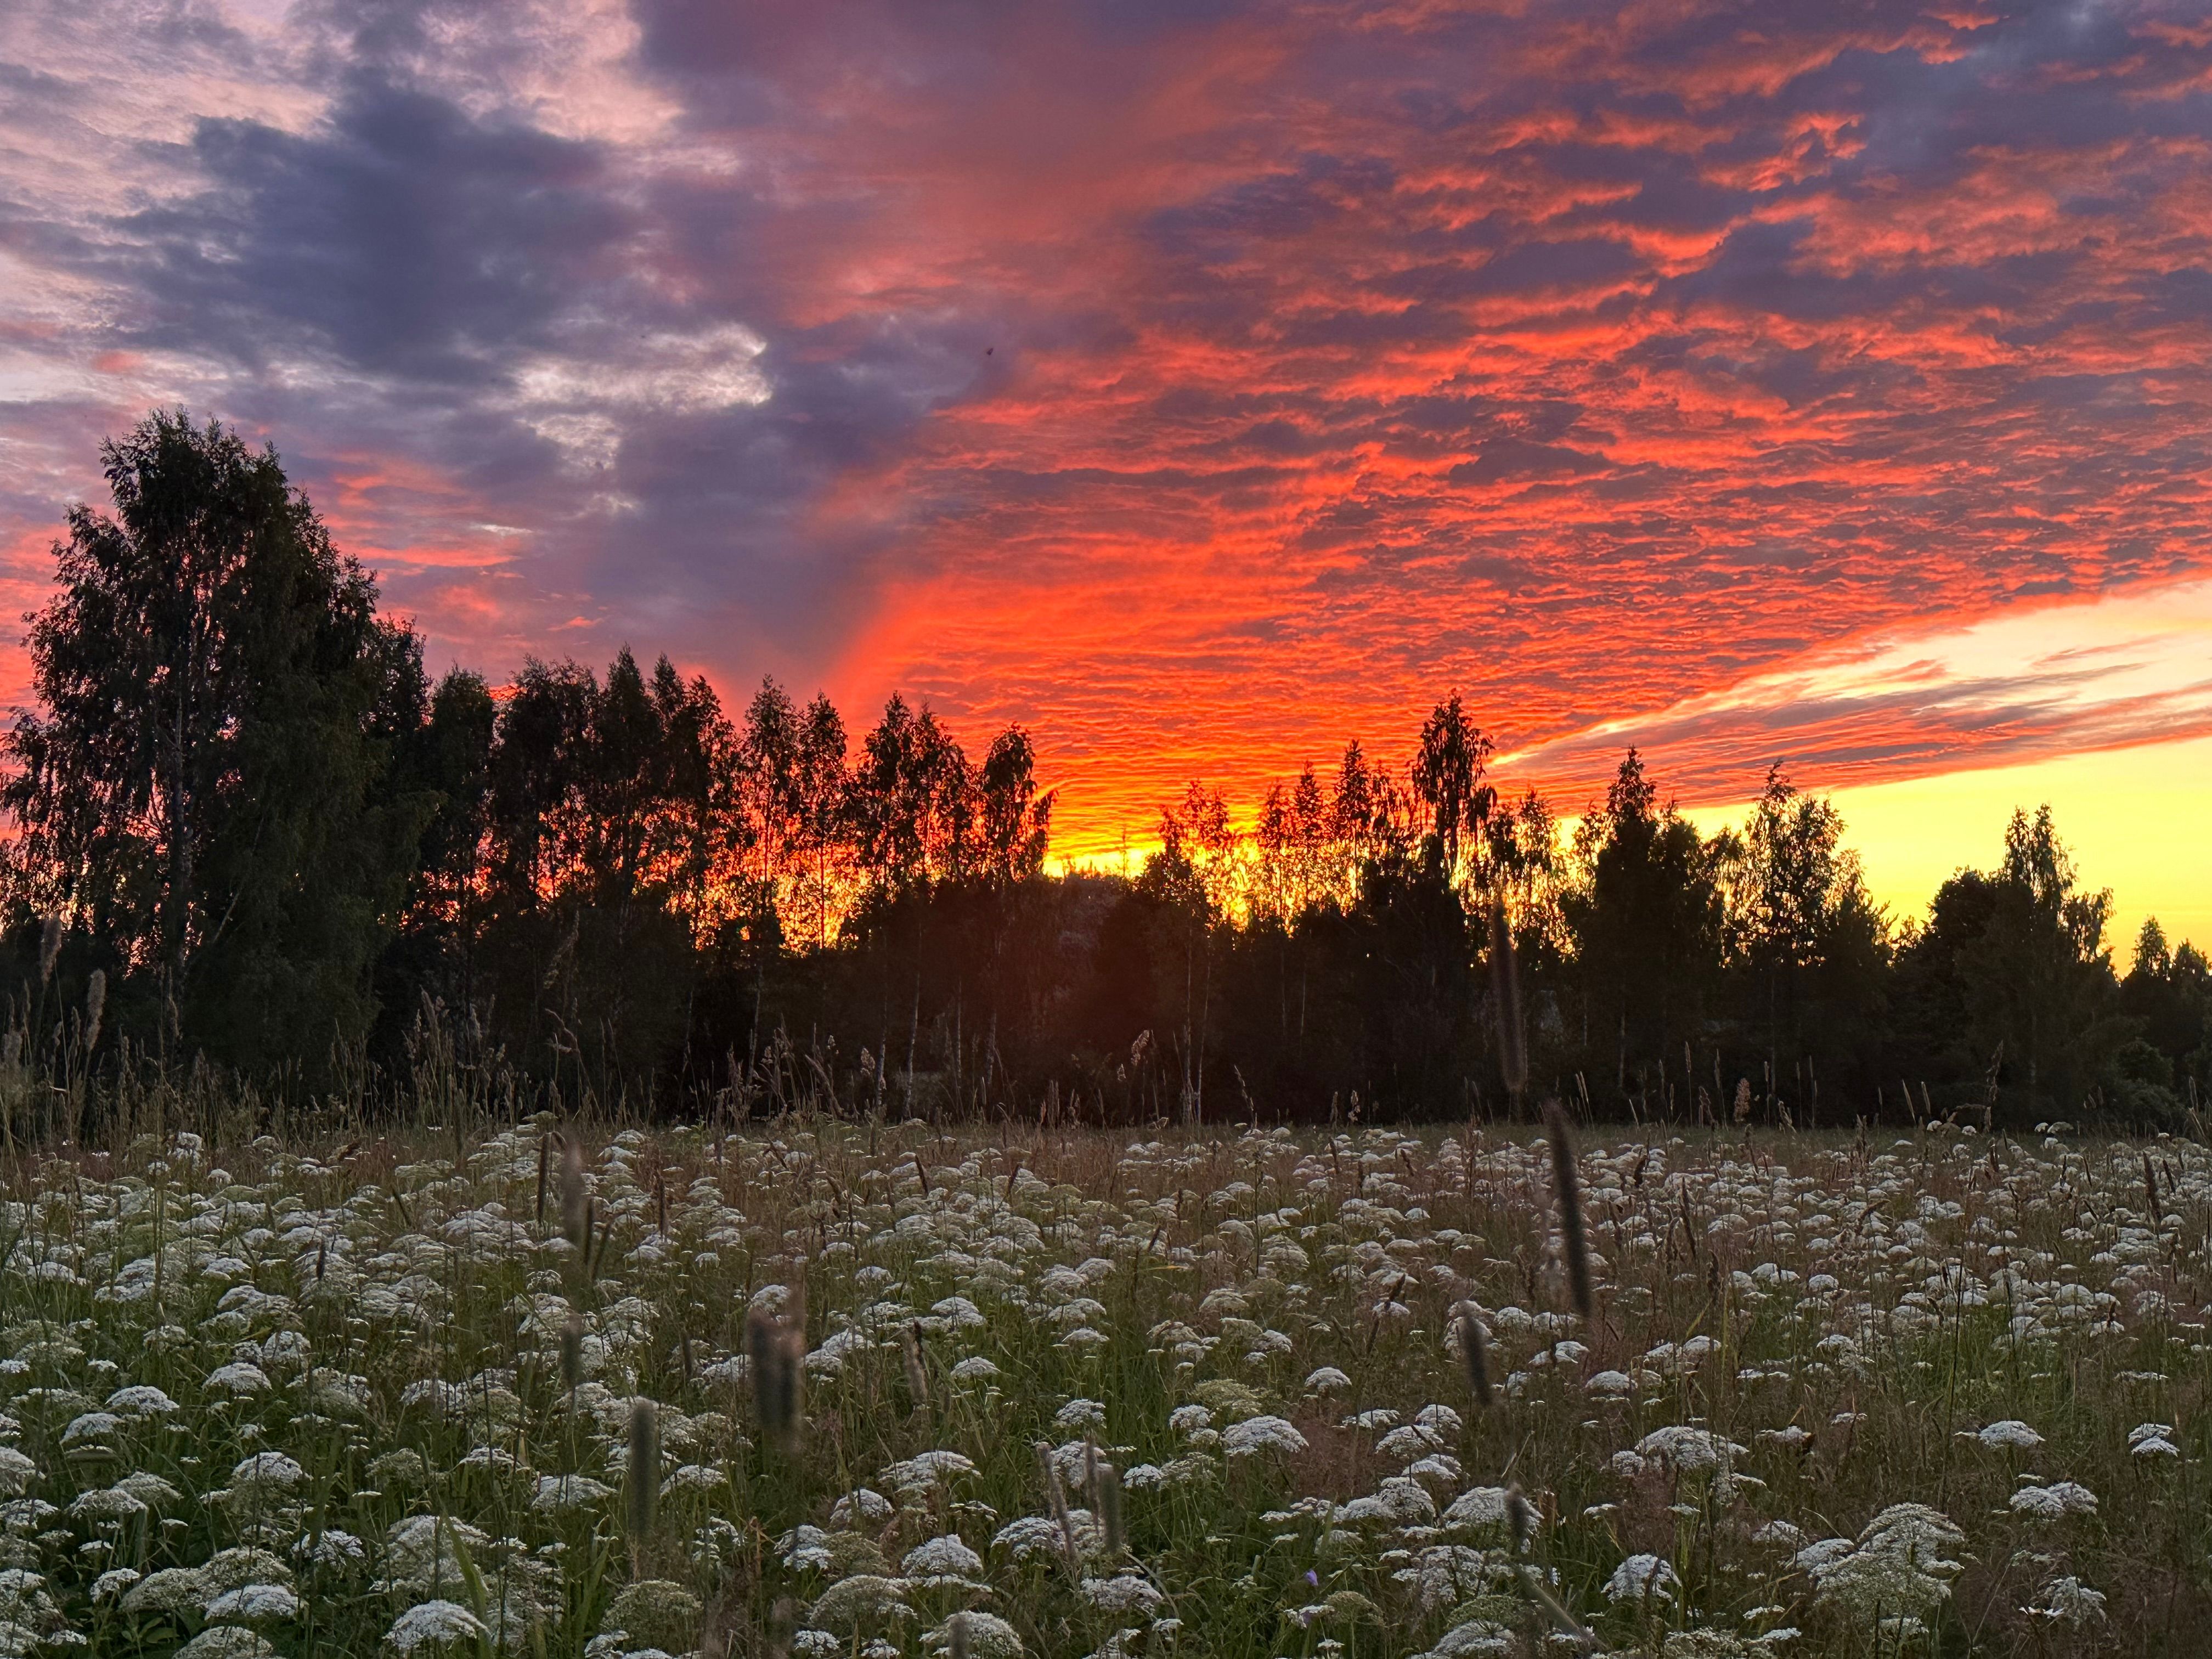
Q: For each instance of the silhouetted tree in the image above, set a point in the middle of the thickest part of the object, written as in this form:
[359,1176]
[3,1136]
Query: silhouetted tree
[2010,998]
[1810,944]
[210,788]
[1014,821]
[449,897]
[1448,776]
[911,801]
[2167,994]
[1646,920]
[242,796]
[1296,866]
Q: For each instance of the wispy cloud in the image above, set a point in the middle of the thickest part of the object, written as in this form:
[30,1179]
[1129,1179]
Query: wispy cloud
[2132,668]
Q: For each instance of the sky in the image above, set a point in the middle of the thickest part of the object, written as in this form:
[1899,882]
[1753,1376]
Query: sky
[1203,384]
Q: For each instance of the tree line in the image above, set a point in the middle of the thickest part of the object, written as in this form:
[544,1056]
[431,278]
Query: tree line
[248,823]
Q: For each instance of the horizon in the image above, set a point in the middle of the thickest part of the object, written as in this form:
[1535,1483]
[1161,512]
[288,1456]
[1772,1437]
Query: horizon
[1202,388]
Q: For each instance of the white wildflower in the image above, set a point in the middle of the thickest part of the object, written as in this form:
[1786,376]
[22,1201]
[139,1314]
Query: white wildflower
[986,1637]
[251,1603]
[1123,1593]
[1081,1414]
[2050,1503]
[429,1624]
[2070,1602]
[1258,1434]
[569,1491]
[2152,1440]
[942,1557]
[227,1642]
[1642,1578]
[269,1471]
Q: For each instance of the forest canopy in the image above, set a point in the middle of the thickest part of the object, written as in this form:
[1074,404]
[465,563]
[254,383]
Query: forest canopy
[246,823]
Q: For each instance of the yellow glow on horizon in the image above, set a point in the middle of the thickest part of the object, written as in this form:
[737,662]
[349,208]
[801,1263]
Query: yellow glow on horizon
[2136,821]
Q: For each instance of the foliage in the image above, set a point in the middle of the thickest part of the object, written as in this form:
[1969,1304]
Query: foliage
[1098,1396]
[241,804]
[211,792]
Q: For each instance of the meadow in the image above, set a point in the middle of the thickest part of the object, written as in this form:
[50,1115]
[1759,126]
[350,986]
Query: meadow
[819,1387]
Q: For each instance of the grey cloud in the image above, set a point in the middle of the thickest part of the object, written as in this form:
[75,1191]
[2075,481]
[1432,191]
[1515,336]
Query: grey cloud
[405,239]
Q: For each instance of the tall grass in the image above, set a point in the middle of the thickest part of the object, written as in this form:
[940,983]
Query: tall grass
[818,1384]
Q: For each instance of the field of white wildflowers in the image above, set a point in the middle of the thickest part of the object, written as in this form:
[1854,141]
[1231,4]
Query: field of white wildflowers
[825,1390]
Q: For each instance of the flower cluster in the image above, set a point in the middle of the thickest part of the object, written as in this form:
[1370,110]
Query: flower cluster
[881,1389]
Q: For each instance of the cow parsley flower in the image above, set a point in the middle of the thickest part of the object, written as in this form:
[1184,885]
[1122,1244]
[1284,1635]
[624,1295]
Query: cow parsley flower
[1411,1441]
[984,1636]
[1123,1593]
[866,1600]
[1443,1575]
[1477,1638]
[16,1472]
[1258,1434]
[569,1491]
[2152,1440]
[106,1503]
[431,1623]
[861,1507]
[1897,1572]
[1642,1578]
[251,1603]
[267,1471]
[227,1641]
[945,1558]
[170,1589]
[2050,1503]
[2070,1602]
[91,1427]
[329,1547]
[1687,1451]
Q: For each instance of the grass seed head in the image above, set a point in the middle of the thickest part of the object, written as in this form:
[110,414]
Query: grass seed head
[1566,1183]
[1506,992]
[575,1207]
[572,1352]
[778,1352]
[1056,1494]
[1474,1356]
[644,1483]
[917,1374]
[1521,1514]
[1106,1493]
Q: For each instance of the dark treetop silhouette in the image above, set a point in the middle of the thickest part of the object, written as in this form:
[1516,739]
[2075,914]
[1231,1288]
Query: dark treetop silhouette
[241,803]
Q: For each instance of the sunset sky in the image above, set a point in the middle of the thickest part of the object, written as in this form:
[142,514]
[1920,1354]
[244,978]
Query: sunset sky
[1203,384]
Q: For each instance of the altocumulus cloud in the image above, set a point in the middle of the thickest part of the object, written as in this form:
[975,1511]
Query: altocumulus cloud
[1156,374]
